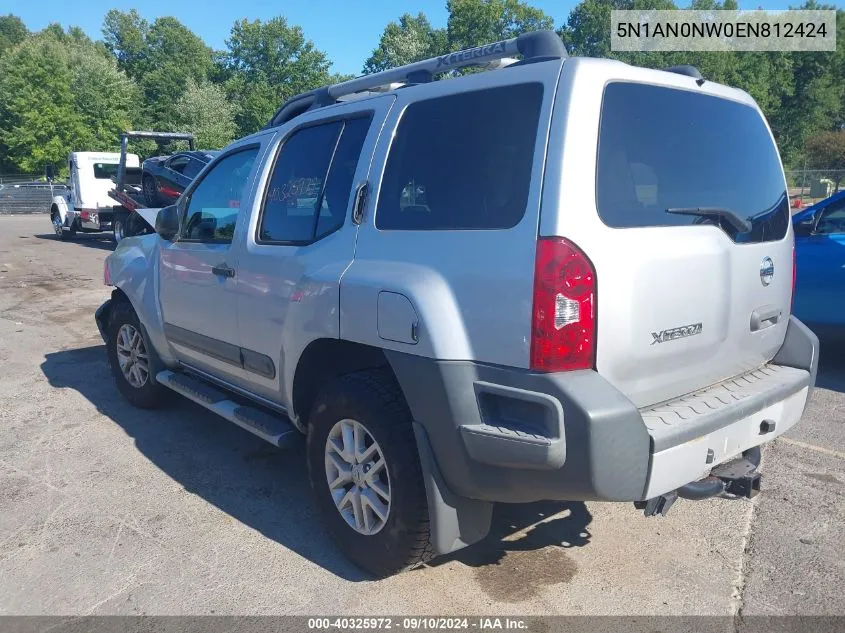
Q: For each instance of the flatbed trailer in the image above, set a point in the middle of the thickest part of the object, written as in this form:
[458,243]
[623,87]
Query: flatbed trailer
[127,191]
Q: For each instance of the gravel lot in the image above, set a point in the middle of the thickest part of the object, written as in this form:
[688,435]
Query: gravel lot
[105,509]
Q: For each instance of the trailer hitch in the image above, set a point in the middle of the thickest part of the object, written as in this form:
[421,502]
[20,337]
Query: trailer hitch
[738,477]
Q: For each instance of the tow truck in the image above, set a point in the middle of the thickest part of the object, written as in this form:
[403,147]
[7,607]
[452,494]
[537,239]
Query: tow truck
[104,190]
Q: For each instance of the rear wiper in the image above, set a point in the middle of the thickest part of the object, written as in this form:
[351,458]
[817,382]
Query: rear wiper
[740,224]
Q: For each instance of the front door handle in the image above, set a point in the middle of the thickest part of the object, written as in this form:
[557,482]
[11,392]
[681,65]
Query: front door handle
[223,270]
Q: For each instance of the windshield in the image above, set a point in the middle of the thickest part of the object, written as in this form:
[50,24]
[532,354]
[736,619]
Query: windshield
[662,148]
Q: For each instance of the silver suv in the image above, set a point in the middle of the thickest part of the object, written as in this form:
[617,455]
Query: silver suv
[562,279]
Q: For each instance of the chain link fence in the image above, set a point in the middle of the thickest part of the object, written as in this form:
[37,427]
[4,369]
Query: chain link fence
[27,193]
[808,186]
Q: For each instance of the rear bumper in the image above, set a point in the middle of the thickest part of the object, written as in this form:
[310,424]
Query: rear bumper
[100,220]
[500,434]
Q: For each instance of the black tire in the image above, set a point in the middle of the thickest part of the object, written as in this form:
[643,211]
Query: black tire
[118,227]
[148,184]
[151,394]
[68,234]
[374,399]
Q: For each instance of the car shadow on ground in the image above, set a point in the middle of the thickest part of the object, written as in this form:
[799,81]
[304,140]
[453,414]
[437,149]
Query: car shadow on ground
[831,363]
[267,488]
[101,241]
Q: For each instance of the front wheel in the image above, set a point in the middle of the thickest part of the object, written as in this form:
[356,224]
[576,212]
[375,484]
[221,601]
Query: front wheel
[133,360]
[61,232]
[365,472]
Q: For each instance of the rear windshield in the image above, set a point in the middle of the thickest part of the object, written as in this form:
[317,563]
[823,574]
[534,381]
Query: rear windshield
[104,171]
[663,148]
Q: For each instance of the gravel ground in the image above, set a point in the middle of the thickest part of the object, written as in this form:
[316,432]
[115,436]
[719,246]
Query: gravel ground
[105,509]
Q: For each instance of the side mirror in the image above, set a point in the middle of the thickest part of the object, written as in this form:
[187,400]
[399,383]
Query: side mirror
[49,173]
[167,222]
[805,227]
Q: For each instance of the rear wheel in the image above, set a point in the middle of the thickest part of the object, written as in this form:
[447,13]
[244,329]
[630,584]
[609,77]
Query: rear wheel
[133,360]
[118,226]
[365,472]
[148,184]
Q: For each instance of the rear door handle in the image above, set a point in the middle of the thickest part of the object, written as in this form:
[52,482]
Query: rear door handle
[360,202]
[223,270]
[764,317]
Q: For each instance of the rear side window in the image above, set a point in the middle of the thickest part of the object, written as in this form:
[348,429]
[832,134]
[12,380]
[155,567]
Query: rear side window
[310,186]
[662,148]
[462,161]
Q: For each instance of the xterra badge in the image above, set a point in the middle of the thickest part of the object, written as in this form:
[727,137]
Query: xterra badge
[677,332]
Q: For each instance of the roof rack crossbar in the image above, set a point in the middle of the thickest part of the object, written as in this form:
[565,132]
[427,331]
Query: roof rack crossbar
[537,45]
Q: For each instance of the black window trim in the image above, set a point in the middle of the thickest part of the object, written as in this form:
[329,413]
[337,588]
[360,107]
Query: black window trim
[343,118]
[185,198]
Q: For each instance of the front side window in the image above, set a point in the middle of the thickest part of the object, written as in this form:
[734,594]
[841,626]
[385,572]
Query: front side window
[664,148]
[193,168]
[178,164]
[832,219]
[310,186]
[211,211]
[105,171]
[462,161]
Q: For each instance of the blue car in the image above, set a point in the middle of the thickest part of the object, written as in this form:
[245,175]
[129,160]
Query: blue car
[820,263]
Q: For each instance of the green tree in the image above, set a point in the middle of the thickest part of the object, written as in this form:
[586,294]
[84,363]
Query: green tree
[125,35]
[266,64]
[161,57]
[59,94]
[410,39]
[800,93]
[826,152]
[12,32]
[816,100]
[476,22]
[204,110]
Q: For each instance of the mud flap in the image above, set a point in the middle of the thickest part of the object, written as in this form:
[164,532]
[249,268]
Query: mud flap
[455,521]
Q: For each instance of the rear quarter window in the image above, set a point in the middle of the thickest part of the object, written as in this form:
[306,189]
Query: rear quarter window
[462,161]
[662,148]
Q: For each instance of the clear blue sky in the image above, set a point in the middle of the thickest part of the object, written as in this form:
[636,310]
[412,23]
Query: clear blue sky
[346,31]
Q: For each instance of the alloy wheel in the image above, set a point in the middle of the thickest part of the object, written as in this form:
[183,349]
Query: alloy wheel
[357,475]
[132,356]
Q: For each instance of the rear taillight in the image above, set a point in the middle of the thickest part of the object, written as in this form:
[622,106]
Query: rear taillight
[106,273]
[794,273]
[563,331]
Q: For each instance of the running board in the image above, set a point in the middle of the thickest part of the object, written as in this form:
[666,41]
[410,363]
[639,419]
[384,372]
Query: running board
[271,428]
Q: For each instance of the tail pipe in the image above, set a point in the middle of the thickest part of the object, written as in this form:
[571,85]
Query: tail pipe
[737,477]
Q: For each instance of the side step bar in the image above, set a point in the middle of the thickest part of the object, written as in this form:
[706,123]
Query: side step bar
[271,428]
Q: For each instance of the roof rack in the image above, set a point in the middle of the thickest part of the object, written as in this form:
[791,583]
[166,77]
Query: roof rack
[535,46]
